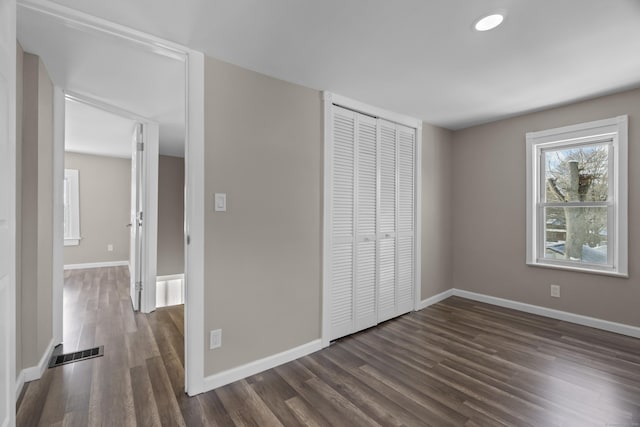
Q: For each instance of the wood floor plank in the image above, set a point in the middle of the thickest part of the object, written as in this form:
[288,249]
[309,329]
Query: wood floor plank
[275,392]
[456,363]
[168,408]
[143,397]
[305,414]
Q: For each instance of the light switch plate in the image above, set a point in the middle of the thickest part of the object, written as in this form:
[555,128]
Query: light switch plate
[215,339]
[220,202]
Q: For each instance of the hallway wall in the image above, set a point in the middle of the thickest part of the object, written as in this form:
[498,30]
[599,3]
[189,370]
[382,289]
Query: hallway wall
[105,208]
[36,212]
[170,216]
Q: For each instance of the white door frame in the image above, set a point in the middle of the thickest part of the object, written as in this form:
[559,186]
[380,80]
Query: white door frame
[194,166]
[150,202]
[58,213]
[8,212]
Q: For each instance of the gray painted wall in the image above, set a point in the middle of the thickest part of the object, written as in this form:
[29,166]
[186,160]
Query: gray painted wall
[105,208]
[489,215]
[263,272]
[170,215]
[437,186]
[263,147]
[35,286]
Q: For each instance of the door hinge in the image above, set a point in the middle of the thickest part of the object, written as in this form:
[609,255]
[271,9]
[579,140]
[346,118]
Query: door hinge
[140,146]
[138,286]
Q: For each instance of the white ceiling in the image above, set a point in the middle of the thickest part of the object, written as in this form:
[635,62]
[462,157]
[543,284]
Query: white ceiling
[417,57]
[94,131]
[108,71]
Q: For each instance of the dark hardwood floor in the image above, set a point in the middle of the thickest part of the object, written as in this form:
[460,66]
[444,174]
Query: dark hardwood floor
[457,363]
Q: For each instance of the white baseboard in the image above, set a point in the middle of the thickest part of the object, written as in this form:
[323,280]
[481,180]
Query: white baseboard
[170,277]
[34,372]
[169,290]
[95,265]
[227,377]
[605,325]
[435,299]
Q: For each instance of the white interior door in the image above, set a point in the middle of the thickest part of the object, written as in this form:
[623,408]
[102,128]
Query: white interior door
[144,216]
[137,217]
[7,211]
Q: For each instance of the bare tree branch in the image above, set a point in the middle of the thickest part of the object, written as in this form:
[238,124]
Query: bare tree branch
[554,187]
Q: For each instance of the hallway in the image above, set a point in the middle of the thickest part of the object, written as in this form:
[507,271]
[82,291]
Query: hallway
[143,358]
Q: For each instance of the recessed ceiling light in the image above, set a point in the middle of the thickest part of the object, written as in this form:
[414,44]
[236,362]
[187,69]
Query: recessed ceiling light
[489,22]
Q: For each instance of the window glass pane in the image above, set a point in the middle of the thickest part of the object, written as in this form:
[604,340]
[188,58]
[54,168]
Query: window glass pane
[577,174]
[577,234]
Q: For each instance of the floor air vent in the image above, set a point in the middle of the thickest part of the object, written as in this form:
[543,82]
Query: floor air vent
[63,359]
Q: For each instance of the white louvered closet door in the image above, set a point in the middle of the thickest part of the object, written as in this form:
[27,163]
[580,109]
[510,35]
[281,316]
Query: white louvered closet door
[387,230]
[342,223]
[371,224]
[406,149]
[366,222]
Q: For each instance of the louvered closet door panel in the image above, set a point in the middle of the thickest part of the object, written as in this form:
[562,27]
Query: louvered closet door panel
[342,189]
[387,178]
[365,312]
[366,173]
[406,274]
[406,178]
[342,290]
[366,222]
[387,281]
[386,233]
[406,219]
[342,223]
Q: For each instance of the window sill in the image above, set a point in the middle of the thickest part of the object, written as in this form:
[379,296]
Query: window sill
[72,242]
[578,269]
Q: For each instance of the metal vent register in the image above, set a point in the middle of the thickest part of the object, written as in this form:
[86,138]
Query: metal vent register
[63,359]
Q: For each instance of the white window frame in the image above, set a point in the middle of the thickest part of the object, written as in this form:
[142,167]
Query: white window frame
[615,132]
[72,208]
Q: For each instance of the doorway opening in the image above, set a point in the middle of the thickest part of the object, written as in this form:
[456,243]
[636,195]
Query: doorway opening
[49,27]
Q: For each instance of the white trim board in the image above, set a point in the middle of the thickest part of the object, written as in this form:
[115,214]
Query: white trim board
[231,375]
[95,265]
[34,372]
[592,322]
[434,299]
[578,319]
[170,277]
